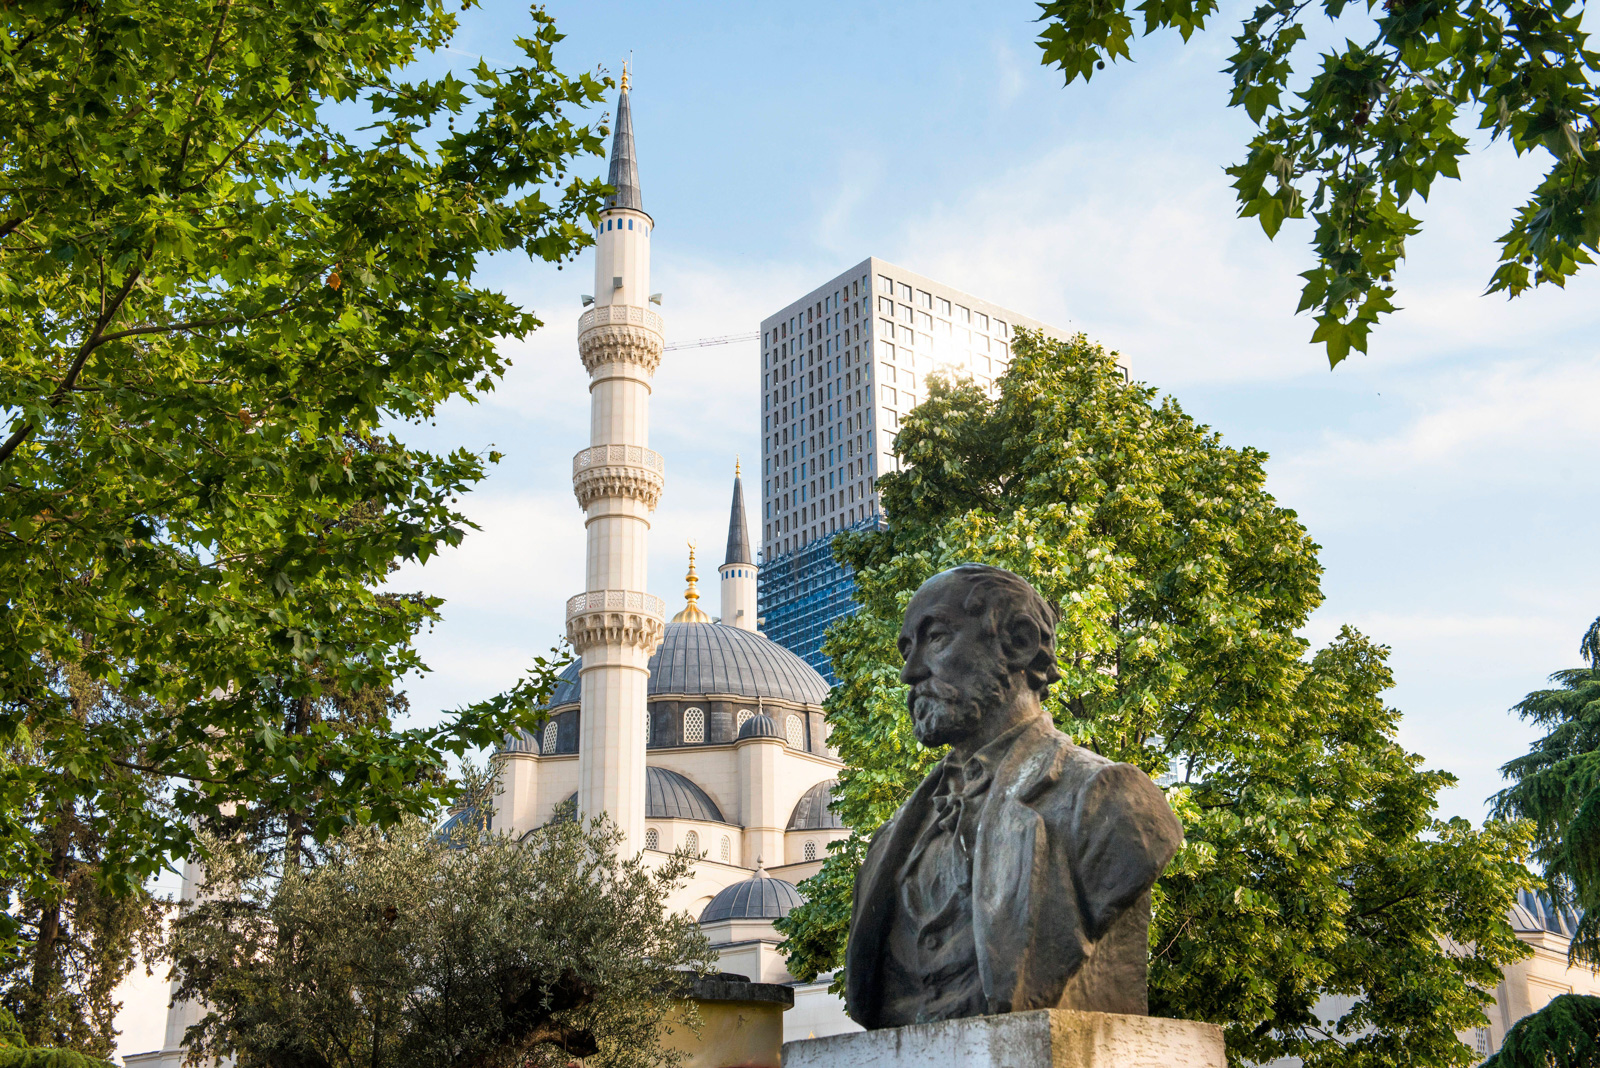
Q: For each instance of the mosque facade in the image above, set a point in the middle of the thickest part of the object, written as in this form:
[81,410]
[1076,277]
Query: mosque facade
[696,733]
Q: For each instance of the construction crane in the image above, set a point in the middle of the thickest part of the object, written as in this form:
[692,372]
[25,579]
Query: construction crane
[706,342]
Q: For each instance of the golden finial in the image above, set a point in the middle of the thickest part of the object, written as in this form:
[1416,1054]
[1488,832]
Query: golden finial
[735,465]
[624,76]
[691,610]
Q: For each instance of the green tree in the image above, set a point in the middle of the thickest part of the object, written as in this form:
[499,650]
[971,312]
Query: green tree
[406,948]
[1313,864]
[1556,785]
[1380,122]
[237,258]
[1563,1034]
[15,1052]
[78,938]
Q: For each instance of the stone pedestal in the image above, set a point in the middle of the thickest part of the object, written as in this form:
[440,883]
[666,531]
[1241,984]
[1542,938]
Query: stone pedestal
[1046,1038]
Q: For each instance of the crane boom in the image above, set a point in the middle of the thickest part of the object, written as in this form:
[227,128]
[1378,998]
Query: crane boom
[726,339]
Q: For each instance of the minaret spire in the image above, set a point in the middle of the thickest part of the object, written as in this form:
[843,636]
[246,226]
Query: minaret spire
[624,164]
[738,570]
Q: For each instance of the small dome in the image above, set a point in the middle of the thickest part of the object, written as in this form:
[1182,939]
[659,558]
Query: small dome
[670,796]
[758,898]
[1537,912]
[760,725]
[811,812]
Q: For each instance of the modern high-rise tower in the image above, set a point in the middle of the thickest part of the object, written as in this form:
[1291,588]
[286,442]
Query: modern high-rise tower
[840,367]
[614,625]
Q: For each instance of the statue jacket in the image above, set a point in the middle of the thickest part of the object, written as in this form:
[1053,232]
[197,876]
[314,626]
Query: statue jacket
[1067,847]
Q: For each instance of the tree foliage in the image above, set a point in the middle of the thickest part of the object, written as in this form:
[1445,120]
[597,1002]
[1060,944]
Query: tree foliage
[1379,122]
[1313,864]
[403,948]
[237,251]
[78,938]
[1563,1034]
[15,1052]
[1556,784]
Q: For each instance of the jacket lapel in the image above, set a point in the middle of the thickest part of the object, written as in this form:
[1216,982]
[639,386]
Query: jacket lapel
[1008,869]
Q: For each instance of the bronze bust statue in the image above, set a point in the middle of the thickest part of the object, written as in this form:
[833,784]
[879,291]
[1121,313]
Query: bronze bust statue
[1018,874]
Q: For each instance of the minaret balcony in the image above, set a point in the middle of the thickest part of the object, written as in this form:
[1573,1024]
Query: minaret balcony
[620,333]
[615,617]
[627,471]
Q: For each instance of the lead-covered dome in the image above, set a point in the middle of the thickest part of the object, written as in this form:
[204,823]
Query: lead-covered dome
[667,796]
[811,812]
[759,898]
[702,658]
[760,725]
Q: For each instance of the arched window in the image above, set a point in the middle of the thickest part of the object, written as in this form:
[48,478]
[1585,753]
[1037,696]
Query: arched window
[649,726]
[811,851]
[652,838]
[738,724]
[694,726]
[691,842]
[548,746]
[726,850]
[796,732]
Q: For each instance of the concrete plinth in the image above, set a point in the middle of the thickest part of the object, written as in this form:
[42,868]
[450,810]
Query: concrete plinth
[1047,1038]
[741,1023]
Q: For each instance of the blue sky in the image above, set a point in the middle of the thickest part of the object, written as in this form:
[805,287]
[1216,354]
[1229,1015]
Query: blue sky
[1448,475]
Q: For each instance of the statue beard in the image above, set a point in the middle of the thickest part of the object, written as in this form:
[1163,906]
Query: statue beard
[943,713]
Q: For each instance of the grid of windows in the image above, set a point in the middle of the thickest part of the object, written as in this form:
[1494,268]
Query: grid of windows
[840,369]
[795,732]
[691,842]
[694,726]
[811,851]
[652,838]
[548,746]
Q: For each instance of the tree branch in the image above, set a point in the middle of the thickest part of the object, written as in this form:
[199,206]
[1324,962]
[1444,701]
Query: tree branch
[92,342]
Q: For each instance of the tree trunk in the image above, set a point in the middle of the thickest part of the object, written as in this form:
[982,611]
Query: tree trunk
[46,978]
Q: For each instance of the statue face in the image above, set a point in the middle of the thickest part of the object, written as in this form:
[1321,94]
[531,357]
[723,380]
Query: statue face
[953,663]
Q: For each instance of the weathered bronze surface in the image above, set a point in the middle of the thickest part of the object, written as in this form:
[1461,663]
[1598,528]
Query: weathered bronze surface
[1018,874]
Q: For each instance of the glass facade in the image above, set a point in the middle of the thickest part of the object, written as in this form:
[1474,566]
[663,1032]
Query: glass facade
[801,593]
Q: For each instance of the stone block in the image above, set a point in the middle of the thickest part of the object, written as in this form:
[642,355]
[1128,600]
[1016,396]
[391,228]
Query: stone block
[1046,1038]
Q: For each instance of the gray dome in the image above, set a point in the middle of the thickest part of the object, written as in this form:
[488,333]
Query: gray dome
[703,658]
[811,812]
[667,796]
[759,898]
[1536,912]
[670,796]
[760,725]
[707,658]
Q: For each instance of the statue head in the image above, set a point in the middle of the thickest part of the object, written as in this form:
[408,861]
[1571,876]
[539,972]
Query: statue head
[978,642]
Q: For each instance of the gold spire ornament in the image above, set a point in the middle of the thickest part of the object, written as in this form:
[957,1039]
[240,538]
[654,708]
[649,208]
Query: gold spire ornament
[736,465]
[691,611]
[625,80]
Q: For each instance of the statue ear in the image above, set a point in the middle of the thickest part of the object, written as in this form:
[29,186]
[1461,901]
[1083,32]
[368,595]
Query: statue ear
[1020,641]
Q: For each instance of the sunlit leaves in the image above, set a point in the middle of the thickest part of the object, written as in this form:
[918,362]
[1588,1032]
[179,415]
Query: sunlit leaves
[219,304]
[1380,122]
[1313,864]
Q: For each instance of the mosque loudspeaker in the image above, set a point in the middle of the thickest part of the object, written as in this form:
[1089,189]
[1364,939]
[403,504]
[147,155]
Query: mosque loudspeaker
[655,298]
[588,299]
[616,281]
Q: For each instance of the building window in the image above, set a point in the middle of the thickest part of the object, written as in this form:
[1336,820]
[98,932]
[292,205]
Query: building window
[811,851]
[652,838]
[796,732]
[905,292]
[739,721]
[694,727]
[924,298]
[691,842]
[726,850]
[885,283]
[548,746]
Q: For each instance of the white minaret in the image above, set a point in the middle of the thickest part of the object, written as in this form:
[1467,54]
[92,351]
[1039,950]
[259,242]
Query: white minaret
[738,571]
[614,624]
